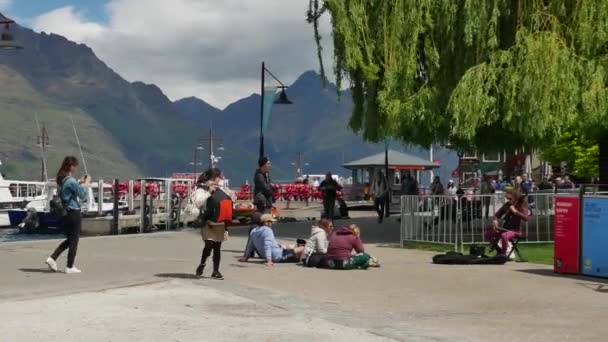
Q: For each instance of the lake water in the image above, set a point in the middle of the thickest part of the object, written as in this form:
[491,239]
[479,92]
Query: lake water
[10,235]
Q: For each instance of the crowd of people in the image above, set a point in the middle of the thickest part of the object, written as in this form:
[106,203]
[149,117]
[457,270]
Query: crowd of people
[325,248]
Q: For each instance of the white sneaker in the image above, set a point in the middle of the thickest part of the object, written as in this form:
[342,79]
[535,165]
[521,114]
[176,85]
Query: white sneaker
[52,264]
[72,270]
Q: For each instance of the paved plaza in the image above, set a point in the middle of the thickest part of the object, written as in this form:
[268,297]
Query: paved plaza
[141,288]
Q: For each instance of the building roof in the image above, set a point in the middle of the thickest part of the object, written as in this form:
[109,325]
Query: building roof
[396,160]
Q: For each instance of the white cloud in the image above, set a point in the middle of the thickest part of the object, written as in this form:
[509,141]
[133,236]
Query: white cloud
[4,4]
[206,48]
[67,22]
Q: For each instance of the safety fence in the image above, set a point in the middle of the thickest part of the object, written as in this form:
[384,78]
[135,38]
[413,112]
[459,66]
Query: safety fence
[461,220]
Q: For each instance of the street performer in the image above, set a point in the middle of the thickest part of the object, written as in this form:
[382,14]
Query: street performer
[513,213]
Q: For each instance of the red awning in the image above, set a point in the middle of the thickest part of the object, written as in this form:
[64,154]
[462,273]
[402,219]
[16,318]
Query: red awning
[405,167]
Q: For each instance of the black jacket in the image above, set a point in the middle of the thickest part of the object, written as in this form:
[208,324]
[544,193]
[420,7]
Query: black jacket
[262,188]
[212,209]
[409,186]
[330,188]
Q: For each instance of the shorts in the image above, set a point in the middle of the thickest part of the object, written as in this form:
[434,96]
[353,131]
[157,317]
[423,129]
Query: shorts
[289,255]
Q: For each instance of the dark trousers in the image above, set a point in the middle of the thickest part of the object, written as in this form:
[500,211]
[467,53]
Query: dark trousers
[380,206]
[486,206]
[72,224]
[329,206]
[216,247]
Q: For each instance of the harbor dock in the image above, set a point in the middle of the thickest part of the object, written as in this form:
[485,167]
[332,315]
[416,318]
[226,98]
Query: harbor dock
[141,288]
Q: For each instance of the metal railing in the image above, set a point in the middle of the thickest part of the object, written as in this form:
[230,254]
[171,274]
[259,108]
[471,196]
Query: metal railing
[461,220]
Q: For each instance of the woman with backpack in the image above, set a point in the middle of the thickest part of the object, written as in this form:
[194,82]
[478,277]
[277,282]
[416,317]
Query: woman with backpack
[69,191]
[215,217]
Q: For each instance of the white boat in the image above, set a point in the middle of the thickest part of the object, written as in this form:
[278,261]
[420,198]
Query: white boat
[37,212]
[15,194]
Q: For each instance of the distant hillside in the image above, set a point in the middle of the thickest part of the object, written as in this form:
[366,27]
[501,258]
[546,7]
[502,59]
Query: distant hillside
[139,119]
[316,124]
[133,129]
[19,153]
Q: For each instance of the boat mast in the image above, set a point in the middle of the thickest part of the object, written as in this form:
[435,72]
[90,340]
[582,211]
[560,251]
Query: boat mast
[43,142]
[84,162]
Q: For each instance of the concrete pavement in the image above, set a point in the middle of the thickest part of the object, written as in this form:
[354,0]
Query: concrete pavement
[140,288]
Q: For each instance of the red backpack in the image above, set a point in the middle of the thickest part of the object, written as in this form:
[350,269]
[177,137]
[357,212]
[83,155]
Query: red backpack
[225,213]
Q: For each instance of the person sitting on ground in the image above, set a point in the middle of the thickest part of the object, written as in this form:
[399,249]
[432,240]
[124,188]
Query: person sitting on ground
[513,213]
[256,221]
[263,242]
[316,246]
[341,246]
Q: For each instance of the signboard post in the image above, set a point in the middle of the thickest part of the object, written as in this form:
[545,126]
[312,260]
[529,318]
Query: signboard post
[567,235]
[595,236]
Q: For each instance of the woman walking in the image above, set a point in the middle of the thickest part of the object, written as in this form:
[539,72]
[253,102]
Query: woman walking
[218,212]
[69,191]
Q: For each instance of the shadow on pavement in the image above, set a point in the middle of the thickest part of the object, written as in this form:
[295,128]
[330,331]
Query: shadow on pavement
[177,275]
[601,283]
[36,270]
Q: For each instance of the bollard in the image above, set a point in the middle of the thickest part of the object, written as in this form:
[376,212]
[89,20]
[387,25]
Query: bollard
[151,215]
[179,213]
[130,197]
[100,197]
[142,206]
[168,204]
[115,213]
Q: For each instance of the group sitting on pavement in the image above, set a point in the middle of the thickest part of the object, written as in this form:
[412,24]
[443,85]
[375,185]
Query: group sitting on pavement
[341,249]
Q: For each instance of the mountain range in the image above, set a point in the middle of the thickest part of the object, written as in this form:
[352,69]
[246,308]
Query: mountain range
[132,129]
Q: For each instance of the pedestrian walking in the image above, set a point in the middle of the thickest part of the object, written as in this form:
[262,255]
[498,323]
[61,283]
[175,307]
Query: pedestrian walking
[69,191]
[380,191]
[262,186]
[487,190]
[436,187]
[330,189]
[215,218]
[409,185]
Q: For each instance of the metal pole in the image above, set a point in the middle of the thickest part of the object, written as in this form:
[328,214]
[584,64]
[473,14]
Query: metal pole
[388,184]
[262,113]
[130,197]
[100,197]
[210,149]
[195,159]
[142,206]
[115,213]
[432,161]
[169,203]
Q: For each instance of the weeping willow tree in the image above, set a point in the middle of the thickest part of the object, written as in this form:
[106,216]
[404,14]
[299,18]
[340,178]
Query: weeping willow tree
[482,74]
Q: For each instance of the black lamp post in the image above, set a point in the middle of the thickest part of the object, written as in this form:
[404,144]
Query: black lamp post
[7,40]
[281,100]
[387,207]
[460,154]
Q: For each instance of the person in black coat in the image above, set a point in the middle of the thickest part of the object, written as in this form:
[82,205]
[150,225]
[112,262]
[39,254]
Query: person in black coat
[262,186]
[330,188]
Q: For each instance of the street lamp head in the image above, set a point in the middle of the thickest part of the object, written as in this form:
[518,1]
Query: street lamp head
[221,148]
[7,40]
[200,148]
[283,97]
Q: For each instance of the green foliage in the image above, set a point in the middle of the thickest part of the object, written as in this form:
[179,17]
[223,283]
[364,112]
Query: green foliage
[579,152]
[481,74]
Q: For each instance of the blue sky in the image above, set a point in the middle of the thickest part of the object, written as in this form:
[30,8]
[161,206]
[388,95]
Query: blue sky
[27,9]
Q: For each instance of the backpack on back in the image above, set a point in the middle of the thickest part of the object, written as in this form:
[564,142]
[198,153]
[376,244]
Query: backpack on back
[56,204]
[225,213]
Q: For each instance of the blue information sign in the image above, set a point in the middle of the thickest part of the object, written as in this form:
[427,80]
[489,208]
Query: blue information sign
[595,237]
